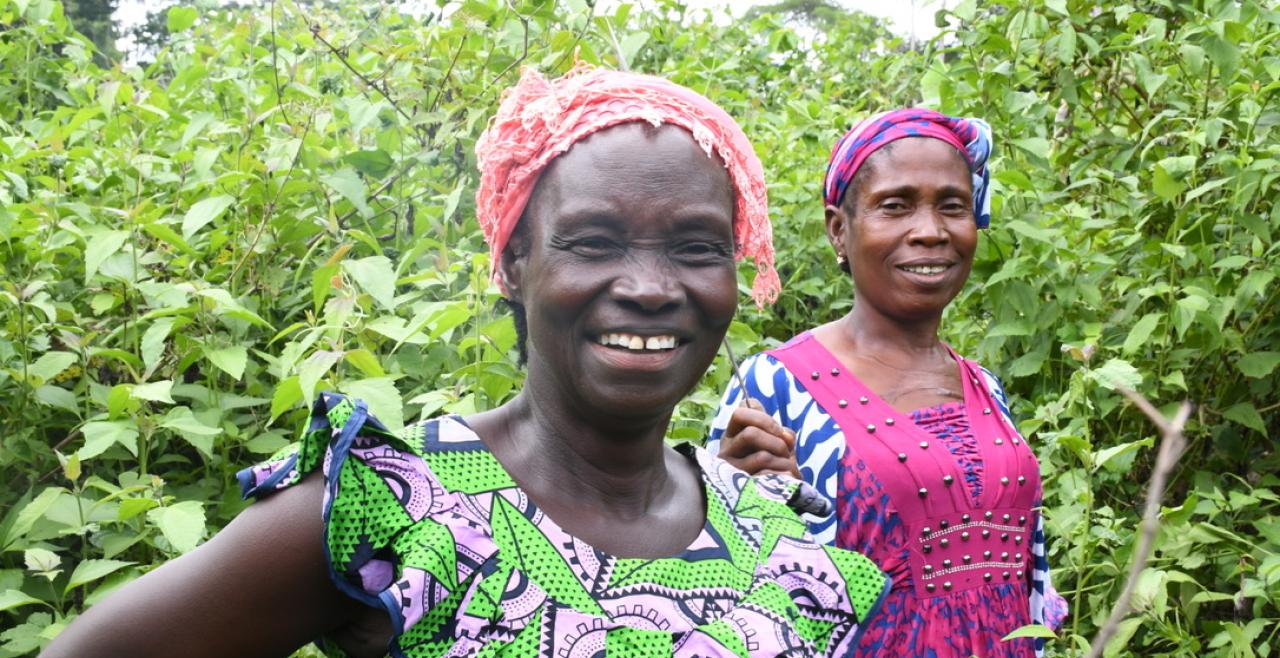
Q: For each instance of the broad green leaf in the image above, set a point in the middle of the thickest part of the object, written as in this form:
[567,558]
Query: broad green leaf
[365,361]
[41,559]
[101,245]
[382,397]
[230,360]
[1140,332]
[313,369]
[346,182]
[56,396]
[91,570]
[153,340]
[376,276]
[50,365]
[32,512]
[375,163]
[1246,414]
[1117,373]
[100,435]
[1258,364]
[190,429]
[1030,630]
[203,212]
[225,304]
[288,393]
[182,524]
[159,391]
[12,598]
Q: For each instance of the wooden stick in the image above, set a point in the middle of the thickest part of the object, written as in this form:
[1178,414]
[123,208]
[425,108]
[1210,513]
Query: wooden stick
[1172,442]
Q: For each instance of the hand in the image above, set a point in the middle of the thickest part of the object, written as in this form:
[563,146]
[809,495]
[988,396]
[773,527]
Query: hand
[756,443]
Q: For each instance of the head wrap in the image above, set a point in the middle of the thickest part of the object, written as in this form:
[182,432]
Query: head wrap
[972,137]
[540,119]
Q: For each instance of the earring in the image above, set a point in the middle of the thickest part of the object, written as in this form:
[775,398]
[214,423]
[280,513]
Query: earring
[840,260]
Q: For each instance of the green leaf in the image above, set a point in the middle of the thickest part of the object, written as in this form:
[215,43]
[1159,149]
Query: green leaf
[230,360]
[1258,364]
[180,19]
[1246,414]
[376,276]
[158,391]
[100,435]
[12,598]
[374,164]
[1066,44]
[189,428]
[1030,630]
[288,393]
[182,524]
[1140,332]
[50,365]
[314,368]
[365,361]
[56,396]
[225,304]
[32,512]
[346,182]
[41,559]
[101,246]
[91,570]
[382,397]
[1117,373]
[203,212]
[153,340]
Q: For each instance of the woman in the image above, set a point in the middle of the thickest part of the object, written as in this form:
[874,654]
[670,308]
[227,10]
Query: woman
[561,523]
[912,442]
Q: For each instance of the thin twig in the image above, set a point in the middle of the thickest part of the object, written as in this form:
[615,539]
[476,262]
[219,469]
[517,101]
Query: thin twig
[1172,442]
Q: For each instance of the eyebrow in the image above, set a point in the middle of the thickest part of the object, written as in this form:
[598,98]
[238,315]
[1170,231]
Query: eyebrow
[910,190]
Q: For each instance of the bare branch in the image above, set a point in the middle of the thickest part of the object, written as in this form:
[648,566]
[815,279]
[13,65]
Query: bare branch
[1172,442]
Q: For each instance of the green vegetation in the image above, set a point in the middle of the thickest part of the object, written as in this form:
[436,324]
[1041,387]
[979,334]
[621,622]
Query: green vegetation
[282,203]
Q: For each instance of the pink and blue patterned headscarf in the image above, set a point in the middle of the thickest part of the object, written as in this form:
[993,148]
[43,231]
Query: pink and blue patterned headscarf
[972,137]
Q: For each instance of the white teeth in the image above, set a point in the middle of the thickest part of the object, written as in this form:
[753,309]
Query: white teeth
[925,269]
[634,342]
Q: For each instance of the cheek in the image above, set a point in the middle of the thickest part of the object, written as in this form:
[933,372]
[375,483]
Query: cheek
[716,290]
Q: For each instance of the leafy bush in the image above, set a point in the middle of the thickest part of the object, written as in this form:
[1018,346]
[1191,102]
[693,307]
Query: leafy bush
[282,203]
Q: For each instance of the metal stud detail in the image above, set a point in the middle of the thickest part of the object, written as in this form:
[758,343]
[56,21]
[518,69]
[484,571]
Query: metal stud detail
[929,587]
[889,422]
[863,400]
[1004,536]
[814,375]
[928,568]
[843,403]
[924,445]
[925,531]
[835,372]
[1016,442]
[1022,479]
[999,442]
[944,542]
[922,492]
[967,558]
[985,533]
[987,515]
[964,518]
[1006,518]
[902,456]
[927,549]
[1005,575]
[986,555]
[871,429]
[1017,556]
[946,564]
[947,480]
[1017,539]
[1004,480]
[986,411]
[1022,520]
[987,576]
[947,586]
[964,536]
[943,524]
[1004,555]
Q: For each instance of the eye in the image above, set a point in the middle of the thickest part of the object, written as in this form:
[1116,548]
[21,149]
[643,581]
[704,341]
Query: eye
[701,252]
[955,207]
[893,205]
[593,247]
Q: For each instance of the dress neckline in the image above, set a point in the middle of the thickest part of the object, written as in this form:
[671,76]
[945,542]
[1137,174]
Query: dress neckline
[705,537]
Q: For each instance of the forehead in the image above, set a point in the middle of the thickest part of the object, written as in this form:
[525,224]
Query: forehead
[637,171]
[917,160]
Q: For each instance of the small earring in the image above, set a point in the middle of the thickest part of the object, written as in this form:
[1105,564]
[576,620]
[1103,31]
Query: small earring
[840,260]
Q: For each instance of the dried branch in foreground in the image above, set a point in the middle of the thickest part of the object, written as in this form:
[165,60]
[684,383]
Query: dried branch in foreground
[1172,443]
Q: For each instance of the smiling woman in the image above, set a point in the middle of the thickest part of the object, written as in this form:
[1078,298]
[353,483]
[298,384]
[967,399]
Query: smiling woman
[561,523]
[868,395]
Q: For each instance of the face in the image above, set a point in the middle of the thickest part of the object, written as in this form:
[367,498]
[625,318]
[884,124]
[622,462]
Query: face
[908,232]
[624,263]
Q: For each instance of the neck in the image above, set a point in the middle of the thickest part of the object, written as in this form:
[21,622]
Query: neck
[870,330]
[611,464]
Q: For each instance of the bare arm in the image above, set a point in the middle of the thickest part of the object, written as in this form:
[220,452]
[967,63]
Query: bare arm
[258,588]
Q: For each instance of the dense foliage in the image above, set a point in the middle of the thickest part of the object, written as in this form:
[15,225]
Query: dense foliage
[282,203]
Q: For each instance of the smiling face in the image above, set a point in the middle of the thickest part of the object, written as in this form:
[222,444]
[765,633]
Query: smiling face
[908,230]
[624,262]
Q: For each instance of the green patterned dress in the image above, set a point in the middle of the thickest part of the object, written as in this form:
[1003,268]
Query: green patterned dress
[428,526]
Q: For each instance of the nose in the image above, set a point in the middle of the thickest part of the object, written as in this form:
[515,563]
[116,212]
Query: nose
[649,285]
[928,227]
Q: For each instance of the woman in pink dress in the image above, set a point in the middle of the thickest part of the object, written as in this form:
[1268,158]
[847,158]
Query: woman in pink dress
[913,443]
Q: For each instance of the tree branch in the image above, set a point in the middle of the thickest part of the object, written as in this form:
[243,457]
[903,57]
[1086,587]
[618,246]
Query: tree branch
[1172,442]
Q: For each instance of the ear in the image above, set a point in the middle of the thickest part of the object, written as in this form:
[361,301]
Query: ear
[511,267]
[837,219]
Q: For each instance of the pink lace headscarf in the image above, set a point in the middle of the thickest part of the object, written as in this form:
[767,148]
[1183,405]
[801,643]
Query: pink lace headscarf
[540,119]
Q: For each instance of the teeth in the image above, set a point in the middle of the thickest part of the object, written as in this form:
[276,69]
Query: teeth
[633,342]
[925,269]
